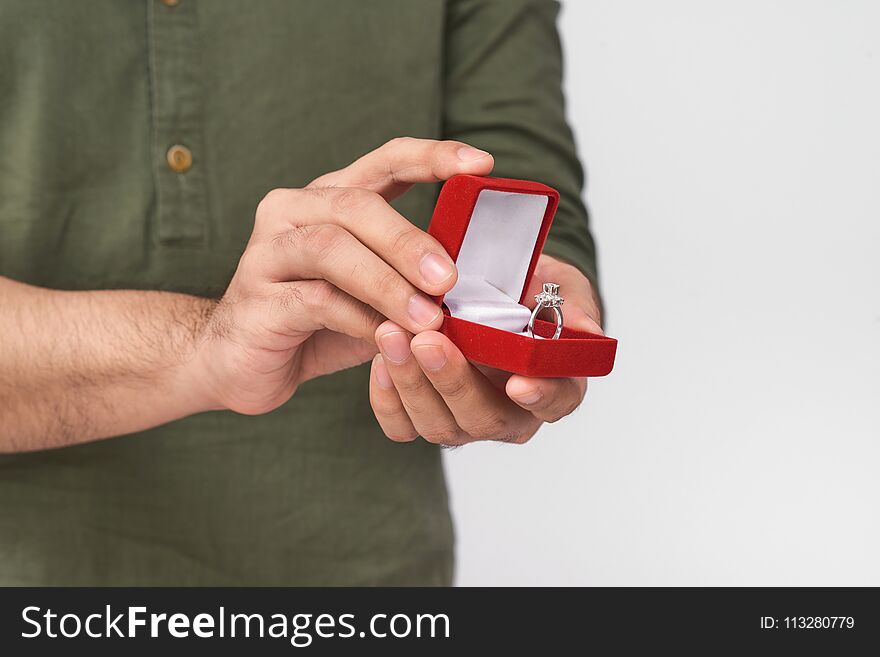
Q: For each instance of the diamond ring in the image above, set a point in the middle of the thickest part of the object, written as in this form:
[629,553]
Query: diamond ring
[548,298]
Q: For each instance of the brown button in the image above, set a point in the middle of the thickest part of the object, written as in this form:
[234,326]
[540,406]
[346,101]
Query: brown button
[180,158]
[170,3]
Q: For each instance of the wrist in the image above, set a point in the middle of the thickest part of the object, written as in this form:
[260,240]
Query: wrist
[193,380]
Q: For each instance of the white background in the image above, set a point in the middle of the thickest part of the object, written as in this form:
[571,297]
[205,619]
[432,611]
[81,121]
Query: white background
[733,153]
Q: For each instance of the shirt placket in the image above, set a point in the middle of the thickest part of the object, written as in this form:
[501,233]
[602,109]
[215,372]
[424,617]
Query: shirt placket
[177,114]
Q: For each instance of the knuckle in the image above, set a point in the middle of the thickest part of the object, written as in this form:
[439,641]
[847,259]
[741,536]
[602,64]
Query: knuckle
[386,406]
[369,319]
[321,295]
[401,437]
[398,143]
[453,389]
[353,201]
[319,184]
[320,192]
[291,238]
[519,438]
[288,299]
[387,284]
[489,427]
[443,435]
[413,387]
[513,437]
[559,414]
[322,240]
[271,204]
[568,407]
[404,240]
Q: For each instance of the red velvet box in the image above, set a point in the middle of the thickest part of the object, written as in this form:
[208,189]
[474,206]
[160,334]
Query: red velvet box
[494,229]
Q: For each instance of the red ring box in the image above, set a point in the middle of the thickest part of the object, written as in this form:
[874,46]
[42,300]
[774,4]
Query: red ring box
[494,229]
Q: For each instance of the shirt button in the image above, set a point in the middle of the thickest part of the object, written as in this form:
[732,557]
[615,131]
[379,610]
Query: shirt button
[179,158]
[170,3]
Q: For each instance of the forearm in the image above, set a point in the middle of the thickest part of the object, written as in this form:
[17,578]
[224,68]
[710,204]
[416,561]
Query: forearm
[79,366]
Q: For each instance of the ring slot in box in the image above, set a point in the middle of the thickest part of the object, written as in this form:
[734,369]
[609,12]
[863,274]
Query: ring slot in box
[494,229]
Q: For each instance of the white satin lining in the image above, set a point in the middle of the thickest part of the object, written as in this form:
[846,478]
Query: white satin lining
[477,300]
[494,260]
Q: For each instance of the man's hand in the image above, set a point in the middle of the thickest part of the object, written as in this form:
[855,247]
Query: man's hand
[423,385]
[325,266]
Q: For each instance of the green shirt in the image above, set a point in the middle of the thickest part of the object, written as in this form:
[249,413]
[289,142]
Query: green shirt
[263,94]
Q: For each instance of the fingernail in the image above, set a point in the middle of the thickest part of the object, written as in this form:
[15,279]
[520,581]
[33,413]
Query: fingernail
[533,396]
[382,376]
[469,153]
[395,346]
[430,356]
[422,310]
[436,269]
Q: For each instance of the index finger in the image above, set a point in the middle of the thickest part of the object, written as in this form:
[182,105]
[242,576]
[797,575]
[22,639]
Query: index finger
[394,167]
[415,254]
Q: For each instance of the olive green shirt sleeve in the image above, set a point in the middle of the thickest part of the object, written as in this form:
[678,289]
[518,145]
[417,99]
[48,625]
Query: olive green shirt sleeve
[503,93]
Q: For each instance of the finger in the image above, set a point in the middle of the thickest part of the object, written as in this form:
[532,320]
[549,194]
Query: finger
[425,408]
[548,400]
[331,352]
[305,306]
[331,253]
[479,408]
[387,407]
[393,168]
[416,255]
